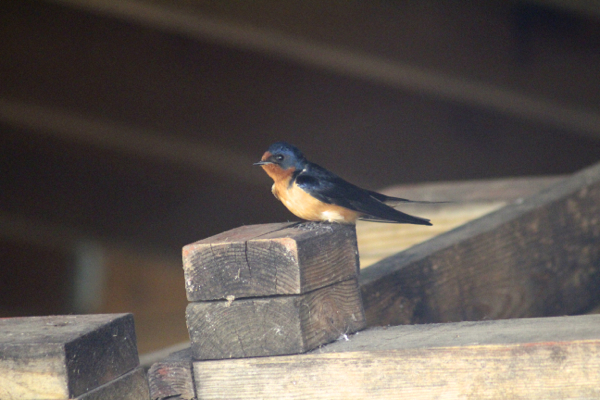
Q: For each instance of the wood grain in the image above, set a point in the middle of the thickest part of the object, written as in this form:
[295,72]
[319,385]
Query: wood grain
[535,257]
[378,241]
[64,356]
[171,378]
[545,358]
[465,201]
[274,325]
[266,260]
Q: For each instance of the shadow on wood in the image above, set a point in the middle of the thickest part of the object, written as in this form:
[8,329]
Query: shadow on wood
[73,356]
[534,257]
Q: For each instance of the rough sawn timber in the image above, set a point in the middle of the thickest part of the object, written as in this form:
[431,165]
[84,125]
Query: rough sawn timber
[60,357]
[538,256]
[274,325]
[539,358]
[461,202]
[171,378]
[269,260]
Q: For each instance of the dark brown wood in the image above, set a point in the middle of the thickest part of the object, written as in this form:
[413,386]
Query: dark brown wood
[271,259]
[131,386]
[274,325]
[539,358]
[64,356]
[171,378]
[535,257]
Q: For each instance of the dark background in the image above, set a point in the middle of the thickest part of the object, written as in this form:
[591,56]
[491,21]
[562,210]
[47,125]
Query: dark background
[128,128]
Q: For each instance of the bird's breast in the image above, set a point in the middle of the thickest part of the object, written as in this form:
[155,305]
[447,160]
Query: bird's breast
[305,206]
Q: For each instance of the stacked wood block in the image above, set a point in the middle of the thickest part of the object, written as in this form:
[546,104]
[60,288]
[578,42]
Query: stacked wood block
[271,289]
[536,257]
[70,357]
[171,378]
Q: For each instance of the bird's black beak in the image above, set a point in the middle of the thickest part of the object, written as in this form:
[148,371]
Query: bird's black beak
[262,163]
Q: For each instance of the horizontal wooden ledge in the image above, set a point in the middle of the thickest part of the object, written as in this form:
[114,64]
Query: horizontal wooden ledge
[469,333]
[540,358]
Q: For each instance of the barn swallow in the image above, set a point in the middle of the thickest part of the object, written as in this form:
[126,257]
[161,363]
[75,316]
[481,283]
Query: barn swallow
[315,194]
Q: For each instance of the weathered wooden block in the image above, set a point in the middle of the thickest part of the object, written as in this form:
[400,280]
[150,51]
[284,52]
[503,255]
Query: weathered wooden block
[171,378]
[274,325]
[63,357]
[270,259]
[540,358]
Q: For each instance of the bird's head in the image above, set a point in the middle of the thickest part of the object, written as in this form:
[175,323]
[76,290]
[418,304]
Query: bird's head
[282,155]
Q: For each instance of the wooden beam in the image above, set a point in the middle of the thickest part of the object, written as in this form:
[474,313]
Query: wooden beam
[274,325]
[289,288]
[172,378]
[542,358]
[534,257]
[137,141]
[269,259]
[466,201]
[192,20]
[64,356]
[378,241]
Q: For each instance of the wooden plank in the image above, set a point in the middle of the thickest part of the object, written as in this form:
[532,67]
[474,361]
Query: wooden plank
[64,356]
[480,190]
[131,386]
[316,42]
[466,201]
[274,325]
[378,241]
[535,257]
[271,259]
[171,378]
[542,358]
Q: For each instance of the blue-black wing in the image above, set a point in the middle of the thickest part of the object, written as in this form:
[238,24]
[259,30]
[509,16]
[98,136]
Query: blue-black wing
[331,189]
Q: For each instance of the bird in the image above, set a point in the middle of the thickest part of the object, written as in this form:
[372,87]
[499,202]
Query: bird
[313,193]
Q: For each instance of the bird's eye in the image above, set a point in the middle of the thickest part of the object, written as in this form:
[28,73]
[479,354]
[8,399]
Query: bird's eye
[279,157]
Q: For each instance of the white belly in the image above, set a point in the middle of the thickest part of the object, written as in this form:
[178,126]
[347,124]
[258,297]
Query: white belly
[333,216]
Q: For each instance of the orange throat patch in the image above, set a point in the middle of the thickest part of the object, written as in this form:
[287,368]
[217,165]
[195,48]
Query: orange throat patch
[302,204]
